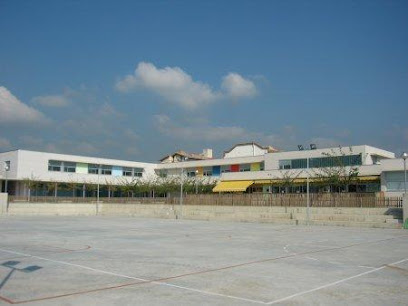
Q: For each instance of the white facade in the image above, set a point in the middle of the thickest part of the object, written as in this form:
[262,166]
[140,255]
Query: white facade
[247,149]
[34,165]
[266,166]
[370,155]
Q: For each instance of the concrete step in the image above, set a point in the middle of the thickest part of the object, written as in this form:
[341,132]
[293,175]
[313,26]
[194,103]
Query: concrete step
[271,220]
[347,217]
[353,224]
[347,211]
[264,215]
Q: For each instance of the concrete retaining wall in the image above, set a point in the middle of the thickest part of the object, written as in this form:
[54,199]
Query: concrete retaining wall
[361,217]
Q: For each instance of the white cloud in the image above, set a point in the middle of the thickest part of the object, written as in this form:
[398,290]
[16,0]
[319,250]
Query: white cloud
[15,111]
[52,101]
[170,128]
[171,83]
[178,87]
[238,87]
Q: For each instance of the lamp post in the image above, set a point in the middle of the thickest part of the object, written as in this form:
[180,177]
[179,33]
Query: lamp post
[97,194]
[6,169]
[181,192]
[404,157]
[195,182]
[307,192]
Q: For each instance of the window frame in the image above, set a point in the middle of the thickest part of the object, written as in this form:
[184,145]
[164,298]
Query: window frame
[53,168]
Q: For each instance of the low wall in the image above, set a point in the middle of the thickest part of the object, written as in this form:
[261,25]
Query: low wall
[344,216]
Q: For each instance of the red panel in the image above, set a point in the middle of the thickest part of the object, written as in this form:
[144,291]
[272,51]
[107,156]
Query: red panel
[234,168]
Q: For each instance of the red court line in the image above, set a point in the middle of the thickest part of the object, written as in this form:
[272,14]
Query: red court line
[272,259]
[6,300]
[67,294]
[162,280]
[63,250]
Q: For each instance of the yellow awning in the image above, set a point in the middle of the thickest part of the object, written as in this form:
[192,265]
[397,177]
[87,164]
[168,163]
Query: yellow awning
[262,181]
[371,178]
[232,186]
[368,178]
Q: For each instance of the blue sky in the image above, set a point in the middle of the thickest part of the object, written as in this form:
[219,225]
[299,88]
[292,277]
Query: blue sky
[139,79]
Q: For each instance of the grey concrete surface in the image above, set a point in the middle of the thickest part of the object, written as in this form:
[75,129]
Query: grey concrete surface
[135,261]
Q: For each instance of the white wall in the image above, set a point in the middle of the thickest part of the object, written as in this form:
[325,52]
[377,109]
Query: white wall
[11,156]
[35,164]
[272,159]
[212,162]
[245,150]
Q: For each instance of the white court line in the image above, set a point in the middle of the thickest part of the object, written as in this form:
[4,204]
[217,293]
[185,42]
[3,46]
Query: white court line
[74,265]
[135,278]
[337,263]
[333,283]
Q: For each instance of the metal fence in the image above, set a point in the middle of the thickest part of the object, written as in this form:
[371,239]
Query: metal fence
[121,200]
[254,199]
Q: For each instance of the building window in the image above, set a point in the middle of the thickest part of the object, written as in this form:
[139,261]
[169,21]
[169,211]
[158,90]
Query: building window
[162,173]
[225,169]
[106,170]
[207,173]
[262,168]
[394,180]
[138,172]
[245,167]
[7,165]
[93,169]
[54,165]
[285,164]
[336,161]
[321,162]
[191,174]
[127,171]
[299,163]
[69,167]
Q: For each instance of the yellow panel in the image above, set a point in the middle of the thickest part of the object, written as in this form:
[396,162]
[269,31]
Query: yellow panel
[256,167]
[199,171]
[262,182]
[232,186]
[368,178]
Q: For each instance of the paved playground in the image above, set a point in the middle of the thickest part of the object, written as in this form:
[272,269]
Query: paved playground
[134,261]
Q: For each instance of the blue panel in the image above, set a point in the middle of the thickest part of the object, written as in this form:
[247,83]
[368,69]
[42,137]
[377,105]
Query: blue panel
[117,171]
[216,170]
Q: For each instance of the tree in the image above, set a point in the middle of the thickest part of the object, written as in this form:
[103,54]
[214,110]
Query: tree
[335,172]
[111,187]
[287,179]
[52,187]
[72,186]
[127,187]
[31,183]
[91,187]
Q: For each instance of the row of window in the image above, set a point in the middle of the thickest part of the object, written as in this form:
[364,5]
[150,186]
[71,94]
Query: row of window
[217,170]
[64,166]
[320,162]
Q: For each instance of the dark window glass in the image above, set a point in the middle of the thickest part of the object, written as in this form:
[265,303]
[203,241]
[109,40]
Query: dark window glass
[69,167]
[54,165]
[93,169]
[106,170]
[138,172]
[127,171]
